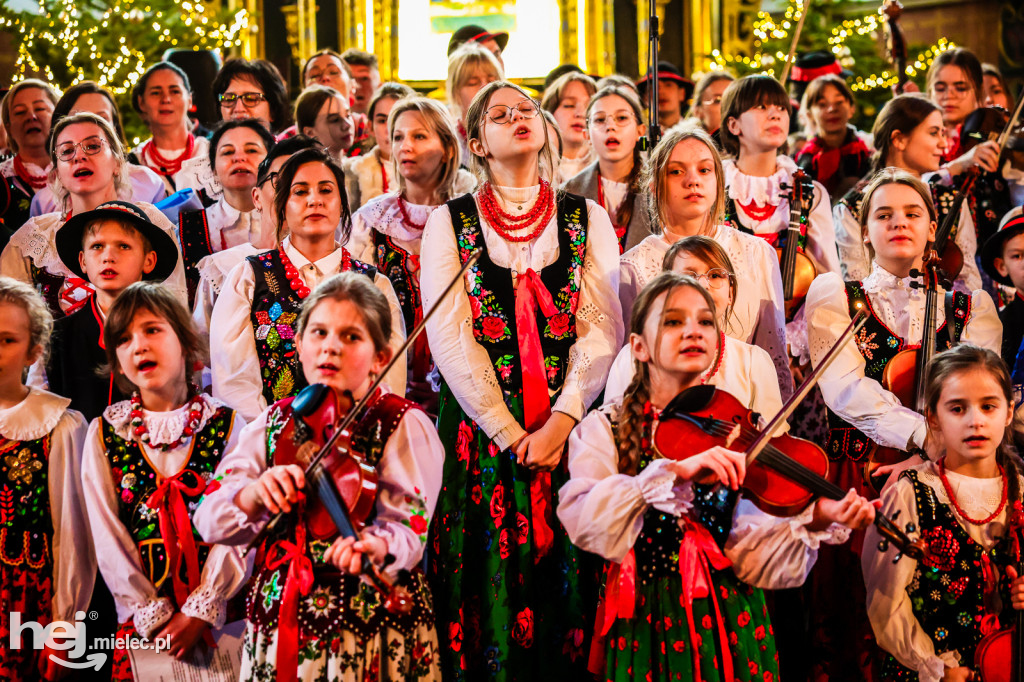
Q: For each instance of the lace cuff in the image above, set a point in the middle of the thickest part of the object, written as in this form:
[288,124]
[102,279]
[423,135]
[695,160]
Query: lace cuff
[835,534]
[796,335]
[205,603]
[933,668]
[150,617]
[661,489]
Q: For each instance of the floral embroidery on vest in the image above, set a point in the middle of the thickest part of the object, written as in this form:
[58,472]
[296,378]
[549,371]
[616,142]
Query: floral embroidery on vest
[26,528]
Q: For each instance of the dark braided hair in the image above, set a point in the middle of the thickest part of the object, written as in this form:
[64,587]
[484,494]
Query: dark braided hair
[631,420]
[966,357]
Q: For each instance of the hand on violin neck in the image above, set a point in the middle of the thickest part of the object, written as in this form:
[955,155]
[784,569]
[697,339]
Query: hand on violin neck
[985,156]
[346,554]
[853,511]
[276,490]
[543,448]
[717,465]
[1016,588]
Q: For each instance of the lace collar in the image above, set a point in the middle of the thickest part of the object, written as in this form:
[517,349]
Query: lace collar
[383,214]
[163,427]
[34,417]
[745,188]
[881,280]
[978,496]
[7,168]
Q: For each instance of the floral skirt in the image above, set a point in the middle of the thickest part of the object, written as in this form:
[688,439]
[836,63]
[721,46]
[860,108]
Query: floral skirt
[501,614]
[347,657]
[655,644]
[29,593]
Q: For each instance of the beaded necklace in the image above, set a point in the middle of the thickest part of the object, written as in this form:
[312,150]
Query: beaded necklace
[503,223]
[959,510]
[164,166]
[405,216]
[295,281]
[33,181]
[195,413]
[718,361]
[620,230]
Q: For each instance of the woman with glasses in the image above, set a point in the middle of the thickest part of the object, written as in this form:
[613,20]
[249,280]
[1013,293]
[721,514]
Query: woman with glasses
[236,150]
[89,169]
[567,100]
[162,97]
[254,363]
[614,125]
[143,184]
[706,105]
[685,191]
[523,352]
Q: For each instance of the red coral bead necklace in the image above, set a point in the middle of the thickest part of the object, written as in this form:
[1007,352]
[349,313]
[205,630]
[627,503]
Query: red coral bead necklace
[956,505]
[504,223]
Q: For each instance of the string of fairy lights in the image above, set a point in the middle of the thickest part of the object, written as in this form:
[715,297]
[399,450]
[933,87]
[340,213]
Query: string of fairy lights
[767,28]
[69,33]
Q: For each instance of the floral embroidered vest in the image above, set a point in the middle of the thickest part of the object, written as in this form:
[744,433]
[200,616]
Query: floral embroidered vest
[947,593]
[135,480]
[335,600]
[194,233]
[15,207]
[732,217]
[493,294]
[400,266]
[26,529]
[274,312]
[878,344]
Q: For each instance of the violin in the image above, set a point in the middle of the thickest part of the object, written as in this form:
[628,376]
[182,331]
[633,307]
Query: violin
[998,656]
[904,376]
[895,42]
[784,473]
[796,268]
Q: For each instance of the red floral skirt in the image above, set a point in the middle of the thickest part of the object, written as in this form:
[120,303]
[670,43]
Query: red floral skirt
[29,593]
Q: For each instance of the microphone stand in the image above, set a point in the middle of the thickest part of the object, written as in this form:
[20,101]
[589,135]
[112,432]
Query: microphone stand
[653,127]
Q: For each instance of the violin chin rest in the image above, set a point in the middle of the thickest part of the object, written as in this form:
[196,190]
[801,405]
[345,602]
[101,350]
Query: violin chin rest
[691,400]
[309,399]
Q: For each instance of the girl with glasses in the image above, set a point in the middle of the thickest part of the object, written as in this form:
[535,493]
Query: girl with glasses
[614,127]
[685,187]
[523,351]
[89,169]
[567,99]
[706,105]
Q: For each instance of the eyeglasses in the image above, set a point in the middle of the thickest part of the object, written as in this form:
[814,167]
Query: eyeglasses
[502,114]
[317,75]
[717,99]
[272,176]
[90,146]
[249,99]
[620,120]
[715,278]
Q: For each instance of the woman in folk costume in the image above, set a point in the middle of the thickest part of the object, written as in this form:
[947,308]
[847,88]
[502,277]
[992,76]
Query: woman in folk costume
[372,174]
[253,359]
[26,112]
[388,231]
[522,354]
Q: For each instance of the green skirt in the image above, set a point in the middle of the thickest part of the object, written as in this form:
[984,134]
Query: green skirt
[500,614]
[655,644]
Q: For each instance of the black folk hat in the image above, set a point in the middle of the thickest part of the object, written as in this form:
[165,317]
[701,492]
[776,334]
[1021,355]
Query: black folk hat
[667,71]
[1011,225]
[471,33]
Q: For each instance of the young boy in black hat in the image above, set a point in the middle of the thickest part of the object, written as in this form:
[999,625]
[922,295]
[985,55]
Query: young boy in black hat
[471,33]
[674,93]
[112,246]
[1002,256]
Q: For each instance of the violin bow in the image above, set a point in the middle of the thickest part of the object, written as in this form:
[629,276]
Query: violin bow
[804,7]
[359,406]
[765,436]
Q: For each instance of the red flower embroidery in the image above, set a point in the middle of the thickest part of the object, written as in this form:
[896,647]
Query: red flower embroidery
[743,619]
[418,524]
[759,633]
[768,677]
[494,327]
[462,441]
[476,494]
[668,622]
[522,528]
[942,546]
[498,504]
[753,667]
[679,646]
[455,635]
[705,622]
[622,643]
[474,303]
[503,543]
[522,630]
[573,645]
[559,325]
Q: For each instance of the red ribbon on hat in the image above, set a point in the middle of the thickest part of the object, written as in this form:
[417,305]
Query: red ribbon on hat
[805,74]
[298,582]
[531,293]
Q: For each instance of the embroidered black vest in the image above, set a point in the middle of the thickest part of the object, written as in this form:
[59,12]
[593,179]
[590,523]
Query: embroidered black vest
[26,529]
[947,593]
[493,295]
[336,601]
[194,234]
[878,344]
[135,480]
[274,312]
[396,264]
[15,208]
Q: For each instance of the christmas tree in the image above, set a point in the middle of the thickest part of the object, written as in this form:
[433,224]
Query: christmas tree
[112,43]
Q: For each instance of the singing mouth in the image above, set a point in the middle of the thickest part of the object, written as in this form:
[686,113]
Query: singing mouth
[146,365]
[82,173]
[522,130]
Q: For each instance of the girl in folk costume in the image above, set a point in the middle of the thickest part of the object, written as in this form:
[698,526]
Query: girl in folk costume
[25,111]
[755,123]
[254,362]
[310,617]
[686,191]
[370,175]
[567,99]
[146,463]
[89,169]
[163,98]
[470,68]
[236,150]
[522,355]
[44,535]
[614,126]
[908,135]
[388,230]
[744,370]
[898,219]
[682,597]
[930,615]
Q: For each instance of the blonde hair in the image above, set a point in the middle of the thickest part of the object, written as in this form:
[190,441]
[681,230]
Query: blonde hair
[893,176]
[712,253]
[655,178]
[554,94]
[442,124]
[475,118]
[121,183]
[461,65]
[705,82]
[362,293]
[8,101]
[40,320]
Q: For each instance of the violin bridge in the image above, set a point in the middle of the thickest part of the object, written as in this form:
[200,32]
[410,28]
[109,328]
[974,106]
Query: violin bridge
[305,453]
